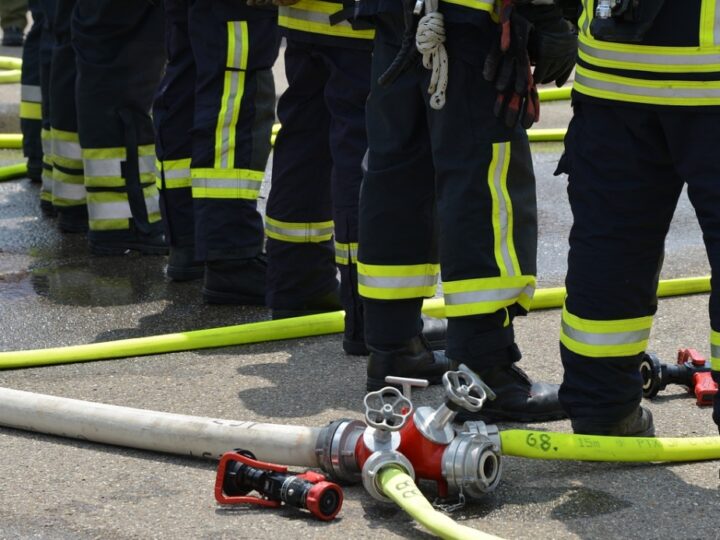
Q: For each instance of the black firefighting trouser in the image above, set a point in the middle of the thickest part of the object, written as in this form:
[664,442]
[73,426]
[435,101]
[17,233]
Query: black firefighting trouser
[627,166]
[454,187]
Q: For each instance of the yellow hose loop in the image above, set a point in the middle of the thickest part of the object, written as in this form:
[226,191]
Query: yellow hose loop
[554,297]
[566,446]
[10,62]
[10,172]
[296,327]
[399,487]
[555,94]
[13,66]
[10,140]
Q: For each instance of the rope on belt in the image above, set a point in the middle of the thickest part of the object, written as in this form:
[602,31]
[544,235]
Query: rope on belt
[429,40]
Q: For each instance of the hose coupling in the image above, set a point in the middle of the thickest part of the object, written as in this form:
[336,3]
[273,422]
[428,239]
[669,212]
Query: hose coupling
[377,462]
[472,464]
[335,449]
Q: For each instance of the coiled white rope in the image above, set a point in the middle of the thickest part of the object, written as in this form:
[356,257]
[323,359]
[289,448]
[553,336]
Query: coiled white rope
[429,40]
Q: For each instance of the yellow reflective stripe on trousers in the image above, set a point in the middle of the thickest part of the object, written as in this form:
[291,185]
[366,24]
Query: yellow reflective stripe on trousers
[597,339]
[66,149]
[233,91]
[346,253]
[483,5]
[46,175]
[110,210]
[502,212]
[103,166]
[68,189]
[314,16]
[680,93]
[226,183]
[710,23]
[300,233]
[646,58]
[397,282]
[176,173]
[715,350]
[30,111]
[487,295]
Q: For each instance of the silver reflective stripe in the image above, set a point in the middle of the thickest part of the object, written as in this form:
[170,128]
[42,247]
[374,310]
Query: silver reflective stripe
[103,167]
[30,93]
[715,351]
[72,192]
[502,150]
[174,174]
[46,143]
[146,164]
[493,295]
[225,183]
[613,338]
[664,92]
[695,59]
[311,16]
[109,210]
[397,282]
[47,181]
[67,149]
[152,204]
[306,232]
[227,125]
[342,252]
[238,50]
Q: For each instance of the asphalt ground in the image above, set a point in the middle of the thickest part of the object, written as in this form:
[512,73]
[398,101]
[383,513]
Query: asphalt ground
[53,293]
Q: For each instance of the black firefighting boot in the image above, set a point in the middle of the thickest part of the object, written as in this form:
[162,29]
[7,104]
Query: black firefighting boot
[235,281]
[638,423]
[518,399]
[72,219]
[116,245]
[182,265]
[434,331]
[320,304]
[413,358]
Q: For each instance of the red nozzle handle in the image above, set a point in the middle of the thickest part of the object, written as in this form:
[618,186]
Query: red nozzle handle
[705,388]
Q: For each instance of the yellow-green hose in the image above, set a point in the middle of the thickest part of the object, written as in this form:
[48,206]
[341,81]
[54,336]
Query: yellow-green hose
[311,325]
[566,446]
[398,486]
[13,66]
[10,140]
[546,135]
[10,172]
[555,94]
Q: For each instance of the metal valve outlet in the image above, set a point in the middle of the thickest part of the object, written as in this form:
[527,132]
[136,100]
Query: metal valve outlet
[463,389]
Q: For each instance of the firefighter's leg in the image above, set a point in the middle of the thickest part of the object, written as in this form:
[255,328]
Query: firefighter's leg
[234,113]
[69,194]
[691,139]
[488,231]
[173,119]
[345,94]
[298,219]
[623,190]
[48,8]
[397,259]
[120,57]
[31,96]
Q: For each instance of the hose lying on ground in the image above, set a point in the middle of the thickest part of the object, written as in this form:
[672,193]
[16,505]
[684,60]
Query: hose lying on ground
[11,172]
[400,487]
[297,327]
[10,69]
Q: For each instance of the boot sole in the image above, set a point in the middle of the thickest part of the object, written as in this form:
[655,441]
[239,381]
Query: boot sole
[354,348]
[176,273]
[214,297]
[116,251]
